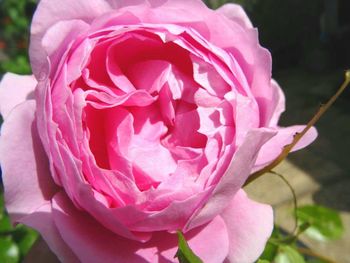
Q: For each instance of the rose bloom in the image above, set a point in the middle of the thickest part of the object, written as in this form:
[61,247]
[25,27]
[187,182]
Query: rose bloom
[142,118]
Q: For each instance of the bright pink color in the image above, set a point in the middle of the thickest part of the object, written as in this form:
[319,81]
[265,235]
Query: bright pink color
[148,117]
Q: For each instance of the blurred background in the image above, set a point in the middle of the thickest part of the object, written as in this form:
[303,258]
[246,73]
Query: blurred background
[310,45]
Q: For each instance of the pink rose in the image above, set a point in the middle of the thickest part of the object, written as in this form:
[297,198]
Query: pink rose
[143,117]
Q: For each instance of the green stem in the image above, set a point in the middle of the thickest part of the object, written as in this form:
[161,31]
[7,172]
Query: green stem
[295,202]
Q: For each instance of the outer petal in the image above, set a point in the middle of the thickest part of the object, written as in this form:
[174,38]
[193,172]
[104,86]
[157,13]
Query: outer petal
[59,38]
[42,221]
[159,3]
[278,104]
[49,12]
[234,177]
[249,226]
[236,13]
[93,243]
[14,89]
[274,147]
[89,240]
[191,13]
[26,175]
[210,242]
[197,5]
[242,42]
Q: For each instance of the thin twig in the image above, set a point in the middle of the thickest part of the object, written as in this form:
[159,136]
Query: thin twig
[308,252]
[295,202]
[298,136]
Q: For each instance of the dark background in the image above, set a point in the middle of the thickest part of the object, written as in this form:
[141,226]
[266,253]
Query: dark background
[313,34]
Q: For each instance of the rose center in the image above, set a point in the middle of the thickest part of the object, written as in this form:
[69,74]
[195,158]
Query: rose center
[153,121]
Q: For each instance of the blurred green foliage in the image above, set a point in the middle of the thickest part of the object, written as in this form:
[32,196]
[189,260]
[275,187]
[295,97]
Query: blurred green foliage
[324,223]
[317,222]
[15,242]
[15,17]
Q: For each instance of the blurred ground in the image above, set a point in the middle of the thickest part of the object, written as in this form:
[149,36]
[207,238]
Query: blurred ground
[320,173]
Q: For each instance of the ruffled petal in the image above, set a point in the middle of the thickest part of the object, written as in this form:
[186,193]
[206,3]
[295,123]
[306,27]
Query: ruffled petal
[93,243]
[26,174]
[277,105]
[191,4]
[236,13]
[88,239]
[284,136]
[49,12]
[210,242]
[58,39]
[15,89]
[249,225]
[234,177]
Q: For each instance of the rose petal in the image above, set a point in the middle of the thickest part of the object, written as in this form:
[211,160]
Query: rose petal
[284,136]
[234,177]
[261,84]
[145,151]
[25,170]
[58,38]
[249,226]
[88,239]
[206,76]
[236,13]
[254,61]
[246,114]
[277,105]
[100,100]
[49,12]
[209,242]
[15,89]
[161,3]
[93,243]
[83,197]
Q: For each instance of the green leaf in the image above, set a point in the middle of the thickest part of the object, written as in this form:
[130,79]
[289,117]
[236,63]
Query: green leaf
[288,254]
[325,223]
[303,227]
[9,252]
[19,65]
[184,252]
[271,247]
[263,261]
[270,252]
[5,223]
[25,238]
